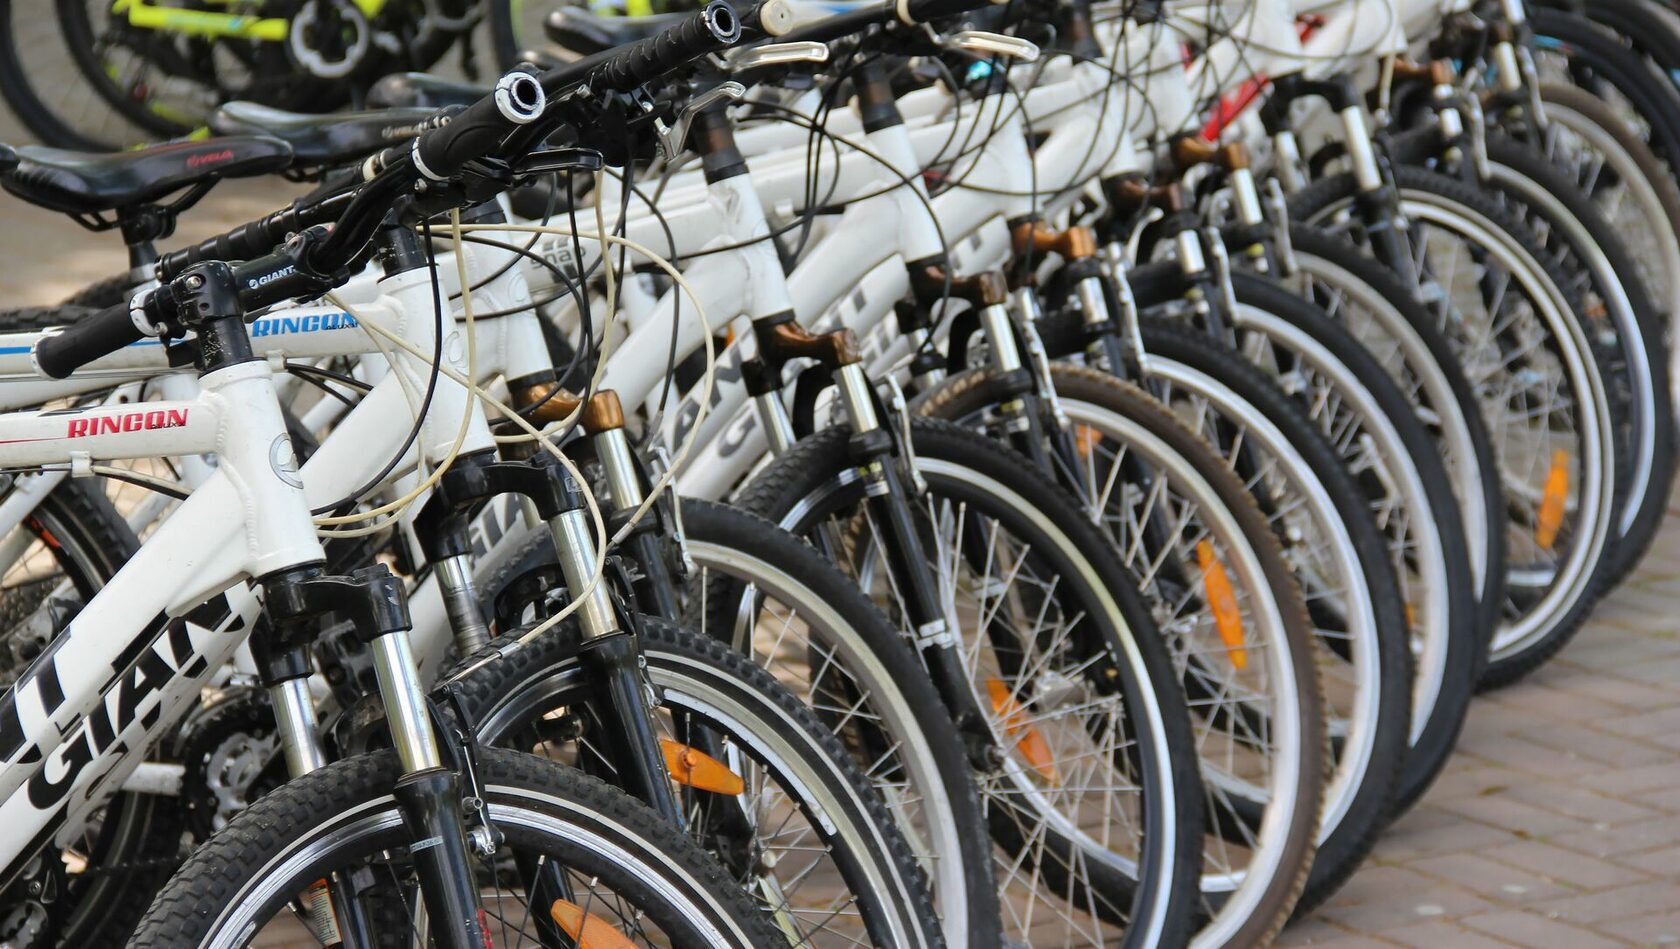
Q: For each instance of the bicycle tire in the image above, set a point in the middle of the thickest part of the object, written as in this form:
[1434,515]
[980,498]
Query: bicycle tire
[1187,358]
[1424,365]
[1631,159]
[731,547]
[506,696]
[1632,344]
[136,845]
[803,485]
[1598,57]
[1442,691]
[19,90]
[727,544]
[589,826]
[100,294]
[1375,724]
[1429,197]
[1096,401]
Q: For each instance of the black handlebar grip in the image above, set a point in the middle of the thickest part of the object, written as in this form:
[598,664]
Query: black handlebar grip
[713,28]
[517,100]
[85,340]
[923,10]
[255,239]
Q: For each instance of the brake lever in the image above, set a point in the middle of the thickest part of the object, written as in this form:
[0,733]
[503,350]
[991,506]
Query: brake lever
[984,43]
[545,160]
[671,138]
[778,54]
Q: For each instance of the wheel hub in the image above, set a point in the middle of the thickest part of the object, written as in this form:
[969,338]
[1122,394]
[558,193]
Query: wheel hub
[329,38]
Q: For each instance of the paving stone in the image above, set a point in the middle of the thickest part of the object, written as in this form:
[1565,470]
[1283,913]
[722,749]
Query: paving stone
[1571,867]
[1565,788]
[1661,799]
[1442,935]
[1512,815]
[1607,841]
[1404,842]
[1499,882]
[1662,863]
[1655,673]
[1521,754]
[1599,746]
[1622,781]
[1579,803]
[1658,724]
[1385,897]
[1659,929]
[1480,781]
[1346,941]
[1377,883]
[1613,690]
[1316,931]
[1517,711]
[1621,903]
[1536,931]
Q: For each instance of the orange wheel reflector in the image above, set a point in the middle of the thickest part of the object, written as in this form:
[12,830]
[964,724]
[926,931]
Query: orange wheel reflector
[1029,741]
[1222,600]
[1550,516]
[1085,439]
[586,929]
[698,770]
[45,535]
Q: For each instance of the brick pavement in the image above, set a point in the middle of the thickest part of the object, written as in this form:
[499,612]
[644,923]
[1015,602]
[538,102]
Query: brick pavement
[1557,823]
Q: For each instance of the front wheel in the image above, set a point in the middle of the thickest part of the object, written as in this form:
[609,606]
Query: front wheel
[1541,386]
[1206,561]
[1094,797]
[625,872]
[803,830]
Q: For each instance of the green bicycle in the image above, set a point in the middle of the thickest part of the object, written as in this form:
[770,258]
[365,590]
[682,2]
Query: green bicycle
[108,73]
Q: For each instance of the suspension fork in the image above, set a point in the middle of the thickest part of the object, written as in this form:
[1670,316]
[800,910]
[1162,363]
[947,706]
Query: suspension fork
[1085,265]
[1021,393]
[1377,197]
[658,583]
[1459,122]
[295,598]
[1512,53]
[1268,250]
[428,793]
[1077,247]
[611,655]
[608,649]
[442,529]
[1205,276]
[875,453]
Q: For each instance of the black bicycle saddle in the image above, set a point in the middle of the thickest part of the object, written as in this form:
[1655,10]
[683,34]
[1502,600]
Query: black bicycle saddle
[94,182]
[321,140]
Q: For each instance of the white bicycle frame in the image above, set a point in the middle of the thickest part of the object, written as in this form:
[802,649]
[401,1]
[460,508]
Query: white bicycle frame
[80,719]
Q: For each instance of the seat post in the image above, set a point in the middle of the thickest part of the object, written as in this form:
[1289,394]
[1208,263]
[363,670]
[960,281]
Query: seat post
[142,227]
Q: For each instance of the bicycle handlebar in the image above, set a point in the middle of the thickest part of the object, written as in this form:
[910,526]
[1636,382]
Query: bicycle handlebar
[715,27]
[890,11]
[440,153]
[87,339]
[520,99]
